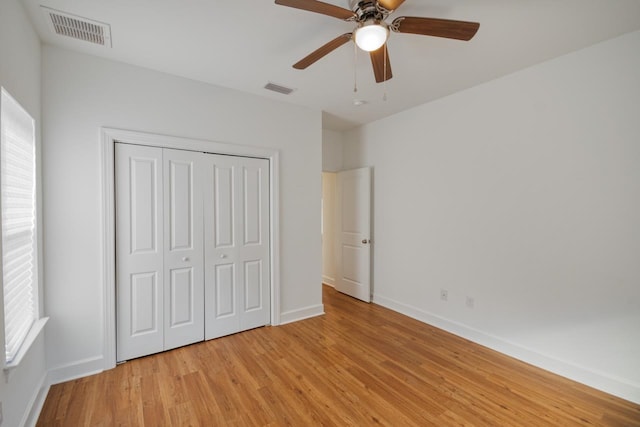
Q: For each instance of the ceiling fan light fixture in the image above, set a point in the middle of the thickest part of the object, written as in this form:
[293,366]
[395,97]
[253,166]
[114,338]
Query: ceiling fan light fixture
[371,35]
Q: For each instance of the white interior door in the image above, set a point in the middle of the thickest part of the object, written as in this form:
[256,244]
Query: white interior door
[237,244]
[353,223]
[184,250]
[139,251]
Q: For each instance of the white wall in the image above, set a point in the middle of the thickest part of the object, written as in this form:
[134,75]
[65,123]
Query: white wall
[20,76]
[332,142]
[523,193]
[83,93]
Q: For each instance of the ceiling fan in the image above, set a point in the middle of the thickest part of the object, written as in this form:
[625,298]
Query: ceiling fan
[371,31]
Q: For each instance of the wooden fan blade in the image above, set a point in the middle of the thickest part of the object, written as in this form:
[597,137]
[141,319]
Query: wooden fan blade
[390,4]
[379,58]
[324,50]
[459,30]
[319,7]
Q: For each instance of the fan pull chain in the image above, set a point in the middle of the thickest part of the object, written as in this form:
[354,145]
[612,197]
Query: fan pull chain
[384,97]
[355,68]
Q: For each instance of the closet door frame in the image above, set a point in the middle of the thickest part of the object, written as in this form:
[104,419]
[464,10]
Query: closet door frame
[109,137]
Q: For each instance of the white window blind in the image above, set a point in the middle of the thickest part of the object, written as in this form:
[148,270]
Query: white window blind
[17,202]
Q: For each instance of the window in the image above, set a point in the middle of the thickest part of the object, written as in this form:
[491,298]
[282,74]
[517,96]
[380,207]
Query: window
[18,243]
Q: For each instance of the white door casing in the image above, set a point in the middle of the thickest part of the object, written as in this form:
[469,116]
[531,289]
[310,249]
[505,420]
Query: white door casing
[140,251]
[183,243]
[353,223]
[237,261]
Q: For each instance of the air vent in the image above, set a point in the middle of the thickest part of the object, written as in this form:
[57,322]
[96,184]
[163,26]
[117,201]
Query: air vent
[78,27]
[278,88]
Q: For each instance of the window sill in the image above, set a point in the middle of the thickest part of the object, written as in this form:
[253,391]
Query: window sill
[35,330]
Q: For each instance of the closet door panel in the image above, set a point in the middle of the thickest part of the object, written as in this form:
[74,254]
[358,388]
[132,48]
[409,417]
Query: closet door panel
[182,296]
[139,251]
[221,228]
[253,285]
[253,252]
[252,192]
[144,304]
[224,293]
[222,180]
[183,257]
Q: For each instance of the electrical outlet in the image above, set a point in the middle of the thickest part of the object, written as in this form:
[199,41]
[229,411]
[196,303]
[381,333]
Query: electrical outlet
[444,294]
[471,302]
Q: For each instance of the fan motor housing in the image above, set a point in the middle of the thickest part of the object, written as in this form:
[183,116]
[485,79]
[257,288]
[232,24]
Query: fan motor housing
[366,10]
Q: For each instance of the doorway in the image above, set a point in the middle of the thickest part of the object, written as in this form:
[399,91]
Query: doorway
[346,231]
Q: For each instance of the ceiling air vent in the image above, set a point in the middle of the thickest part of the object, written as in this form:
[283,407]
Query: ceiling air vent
[278,88]
[78,27]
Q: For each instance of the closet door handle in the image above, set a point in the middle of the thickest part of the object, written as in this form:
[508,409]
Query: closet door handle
[185,259]
[223,256]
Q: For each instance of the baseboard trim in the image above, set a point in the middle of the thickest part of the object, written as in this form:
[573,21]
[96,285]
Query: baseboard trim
[598,380]
[36,403]
[75,370]
[301,314]
[328,281]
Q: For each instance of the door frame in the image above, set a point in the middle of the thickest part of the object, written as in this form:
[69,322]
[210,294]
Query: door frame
[109,136]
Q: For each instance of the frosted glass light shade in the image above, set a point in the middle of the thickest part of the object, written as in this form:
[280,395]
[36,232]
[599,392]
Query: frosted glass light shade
[371,36]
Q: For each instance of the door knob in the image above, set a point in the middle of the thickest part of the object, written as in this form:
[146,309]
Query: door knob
[365,241]
[223,256]
[185,259]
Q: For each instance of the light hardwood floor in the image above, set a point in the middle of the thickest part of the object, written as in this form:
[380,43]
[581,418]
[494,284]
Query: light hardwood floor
[359,365]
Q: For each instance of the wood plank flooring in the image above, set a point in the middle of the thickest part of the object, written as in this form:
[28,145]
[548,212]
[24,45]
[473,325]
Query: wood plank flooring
[358,365]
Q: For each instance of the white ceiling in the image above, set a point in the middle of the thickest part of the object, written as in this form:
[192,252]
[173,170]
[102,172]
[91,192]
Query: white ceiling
[243,44]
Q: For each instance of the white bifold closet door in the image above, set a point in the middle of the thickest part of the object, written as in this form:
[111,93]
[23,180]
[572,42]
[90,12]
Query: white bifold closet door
[139,251]
[192,248]
[237,270]
[183,248]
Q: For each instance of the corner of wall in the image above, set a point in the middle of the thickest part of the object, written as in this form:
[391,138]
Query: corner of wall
[332,142]
[75,370]
[301,314]
[37,402]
